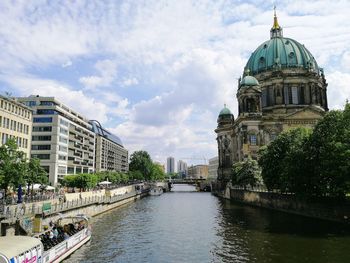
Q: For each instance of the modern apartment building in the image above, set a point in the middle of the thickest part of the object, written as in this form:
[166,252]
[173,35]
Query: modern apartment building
[15,123]
[110,152]
[170,165]
[62,139]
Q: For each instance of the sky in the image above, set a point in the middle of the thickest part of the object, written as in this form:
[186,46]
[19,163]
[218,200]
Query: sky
[157,73]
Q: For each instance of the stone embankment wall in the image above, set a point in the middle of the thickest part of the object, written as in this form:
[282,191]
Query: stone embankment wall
[329,210]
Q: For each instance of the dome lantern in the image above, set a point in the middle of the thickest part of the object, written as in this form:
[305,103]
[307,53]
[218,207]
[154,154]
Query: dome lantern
[276,30]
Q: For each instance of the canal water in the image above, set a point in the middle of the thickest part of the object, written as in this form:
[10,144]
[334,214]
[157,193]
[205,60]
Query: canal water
[189,226]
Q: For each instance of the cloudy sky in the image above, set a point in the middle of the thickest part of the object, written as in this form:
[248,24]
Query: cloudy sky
[154,72]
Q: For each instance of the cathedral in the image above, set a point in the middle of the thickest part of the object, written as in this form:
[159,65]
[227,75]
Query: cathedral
[282,87]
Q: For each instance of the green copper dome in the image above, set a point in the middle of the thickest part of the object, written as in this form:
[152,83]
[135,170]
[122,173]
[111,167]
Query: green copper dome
[225,111]
[281,52]
[249,81]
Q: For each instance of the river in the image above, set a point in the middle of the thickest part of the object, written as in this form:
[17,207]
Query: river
[188,226]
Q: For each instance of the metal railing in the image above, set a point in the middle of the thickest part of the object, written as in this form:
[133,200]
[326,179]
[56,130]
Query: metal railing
[59,205]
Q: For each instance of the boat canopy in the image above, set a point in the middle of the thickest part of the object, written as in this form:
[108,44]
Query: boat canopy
[12,246]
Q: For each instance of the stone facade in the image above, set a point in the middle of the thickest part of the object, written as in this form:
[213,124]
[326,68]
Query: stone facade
[282,87]
[15,123]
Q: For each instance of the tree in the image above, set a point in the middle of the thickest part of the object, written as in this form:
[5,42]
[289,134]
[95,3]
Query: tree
[246,173]
[12,165]
[35,174]
[157,172]
[135,175]
[141,161]
[328,154]
[283,161]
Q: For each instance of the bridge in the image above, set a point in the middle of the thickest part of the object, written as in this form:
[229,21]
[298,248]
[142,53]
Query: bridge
[201,183]
[195,181]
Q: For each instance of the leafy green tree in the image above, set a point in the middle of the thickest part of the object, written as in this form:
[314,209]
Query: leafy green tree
[86,181]
[35,174]
[246,173]
[12,165]
[141,161]
[328,154]
[135,175]
[157,172]
[283,161]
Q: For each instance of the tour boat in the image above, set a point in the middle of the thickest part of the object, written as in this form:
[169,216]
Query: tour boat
[19,249]
[156,190]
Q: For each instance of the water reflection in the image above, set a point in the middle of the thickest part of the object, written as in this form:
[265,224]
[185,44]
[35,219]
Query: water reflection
[258,235]
[198,227]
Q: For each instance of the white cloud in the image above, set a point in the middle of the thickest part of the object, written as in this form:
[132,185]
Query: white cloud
[182,59]
[76,99]
[107,72]
[130,82]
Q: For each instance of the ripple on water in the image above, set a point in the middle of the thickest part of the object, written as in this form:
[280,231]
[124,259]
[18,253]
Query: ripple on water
[198,227]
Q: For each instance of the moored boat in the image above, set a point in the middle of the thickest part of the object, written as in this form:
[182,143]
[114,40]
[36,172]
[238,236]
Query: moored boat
[49,246]
[156,190]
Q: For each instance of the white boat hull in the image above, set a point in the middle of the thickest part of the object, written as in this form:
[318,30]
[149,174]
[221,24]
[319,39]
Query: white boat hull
[67,247]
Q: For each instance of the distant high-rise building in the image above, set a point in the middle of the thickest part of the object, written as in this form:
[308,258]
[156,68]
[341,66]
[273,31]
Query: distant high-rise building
[213,167]
[170,165]
[182,168]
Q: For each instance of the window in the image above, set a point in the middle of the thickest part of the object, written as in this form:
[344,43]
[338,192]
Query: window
[273,136]
[41,147]
[42,128]
[253,139]
[47,103]
[63,131]
[41,138]
[45,111]
[42,119]
[271,98]
[295,99]
[286,95]
[70,170]
[64,123]
[264,98]
[30,103]
[62,169]
[0,121]
[41,156]
[64,140]
[62,148]
[62,157]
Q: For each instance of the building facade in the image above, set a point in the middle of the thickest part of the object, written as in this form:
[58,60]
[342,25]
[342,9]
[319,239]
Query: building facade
[182,168]
[213,167]
[170,165]
[62,139]
[282,87]
[110,154]
[199,171]
[15,123]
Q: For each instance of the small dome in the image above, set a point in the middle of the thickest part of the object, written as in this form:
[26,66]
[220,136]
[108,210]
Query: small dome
[225,111]
[249,81]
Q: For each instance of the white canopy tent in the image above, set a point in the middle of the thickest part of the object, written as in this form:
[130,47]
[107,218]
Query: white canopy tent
[39,187]
[104,183]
